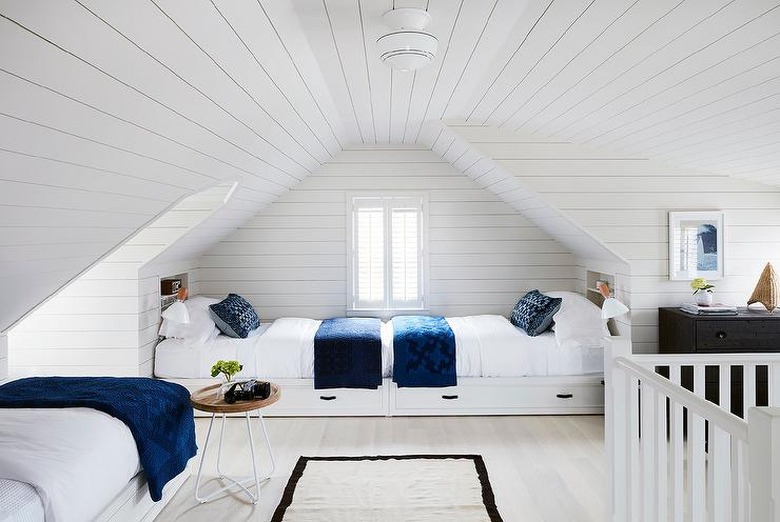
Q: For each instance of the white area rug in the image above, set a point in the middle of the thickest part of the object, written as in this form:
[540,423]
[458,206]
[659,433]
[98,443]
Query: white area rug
[422,488]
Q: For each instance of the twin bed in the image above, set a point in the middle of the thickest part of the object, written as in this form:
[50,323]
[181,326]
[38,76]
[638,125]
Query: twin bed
[499,368]
[87,448]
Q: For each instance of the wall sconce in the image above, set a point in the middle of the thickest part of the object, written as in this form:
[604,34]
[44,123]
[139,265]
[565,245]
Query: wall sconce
[177,312]
[611,307]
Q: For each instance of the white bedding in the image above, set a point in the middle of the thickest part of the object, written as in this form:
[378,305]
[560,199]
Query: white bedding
[78,459]
[179,358]
[19,502]
[486,346]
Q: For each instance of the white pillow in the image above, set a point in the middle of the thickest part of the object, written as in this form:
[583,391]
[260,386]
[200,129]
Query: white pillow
[201,327]
[578,322]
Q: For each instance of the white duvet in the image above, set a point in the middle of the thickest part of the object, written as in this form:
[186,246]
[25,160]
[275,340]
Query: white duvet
[78,459]
[490,346]
[486,346]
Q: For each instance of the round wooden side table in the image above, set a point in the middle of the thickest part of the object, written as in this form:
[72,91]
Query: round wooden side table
[207,399]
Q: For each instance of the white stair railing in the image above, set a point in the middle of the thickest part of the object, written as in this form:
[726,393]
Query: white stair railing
[675,456]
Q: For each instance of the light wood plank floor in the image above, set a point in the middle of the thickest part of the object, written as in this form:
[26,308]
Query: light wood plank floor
[547,468]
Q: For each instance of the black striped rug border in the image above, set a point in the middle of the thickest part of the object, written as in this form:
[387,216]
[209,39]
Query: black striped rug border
[488,498]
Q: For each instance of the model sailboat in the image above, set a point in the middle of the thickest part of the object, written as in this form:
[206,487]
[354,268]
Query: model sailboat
[766,289]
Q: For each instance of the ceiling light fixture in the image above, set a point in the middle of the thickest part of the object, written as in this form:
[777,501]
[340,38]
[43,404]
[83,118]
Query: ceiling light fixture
[408,47]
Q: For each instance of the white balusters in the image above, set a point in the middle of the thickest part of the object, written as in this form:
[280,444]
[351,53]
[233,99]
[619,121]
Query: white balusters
[618,413]
[749,395]
[619,443]
[634,466]
[724,386]
[739,481]
[774,383]
[697,491]
[764,462]
[676,451]
[665,467]
[718,474]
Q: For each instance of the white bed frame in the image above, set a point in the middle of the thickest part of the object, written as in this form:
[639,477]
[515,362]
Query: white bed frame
[565,395]
[134,504]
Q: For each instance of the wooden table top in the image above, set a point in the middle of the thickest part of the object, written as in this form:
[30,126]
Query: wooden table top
[206,399]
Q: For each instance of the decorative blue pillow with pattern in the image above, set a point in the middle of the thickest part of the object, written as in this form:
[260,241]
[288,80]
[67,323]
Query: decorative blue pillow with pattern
[534,312]
[234,316]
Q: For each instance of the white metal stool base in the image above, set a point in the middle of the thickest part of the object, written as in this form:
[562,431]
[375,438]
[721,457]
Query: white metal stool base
[242,484]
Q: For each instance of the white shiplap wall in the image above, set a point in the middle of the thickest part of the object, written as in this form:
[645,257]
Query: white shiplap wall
[592,255]
[624,202]
[290,260]
[92,327]
[106,321]
[92,149]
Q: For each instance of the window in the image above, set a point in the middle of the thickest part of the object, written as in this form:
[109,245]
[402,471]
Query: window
[386,252]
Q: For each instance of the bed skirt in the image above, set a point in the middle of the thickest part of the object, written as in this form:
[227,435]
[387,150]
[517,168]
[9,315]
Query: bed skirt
[559,395]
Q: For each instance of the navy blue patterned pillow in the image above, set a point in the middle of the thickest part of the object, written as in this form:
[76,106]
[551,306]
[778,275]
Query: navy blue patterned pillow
[534,312]
[234,316]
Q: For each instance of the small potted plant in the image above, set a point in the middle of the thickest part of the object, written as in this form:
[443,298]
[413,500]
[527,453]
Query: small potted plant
[228,369]
[702,290]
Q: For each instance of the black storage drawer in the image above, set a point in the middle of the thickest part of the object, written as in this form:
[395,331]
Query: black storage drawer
[738,335]
[723,336]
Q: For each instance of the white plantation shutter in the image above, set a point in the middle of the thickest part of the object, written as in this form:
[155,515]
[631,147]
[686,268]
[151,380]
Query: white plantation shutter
[370,256]
[387,253]
[405,254]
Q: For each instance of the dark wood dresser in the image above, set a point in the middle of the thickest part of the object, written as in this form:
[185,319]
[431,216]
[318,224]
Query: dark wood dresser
[749,331]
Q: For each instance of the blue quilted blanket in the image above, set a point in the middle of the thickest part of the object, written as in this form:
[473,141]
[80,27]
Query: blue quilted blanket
[348,353]
[424,351]
[158,414]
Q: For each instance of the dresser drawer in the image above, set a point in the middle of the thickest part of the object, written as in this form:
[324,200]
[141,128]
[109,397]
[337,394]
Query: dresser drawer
[503,396]
[302,399]
[749,335]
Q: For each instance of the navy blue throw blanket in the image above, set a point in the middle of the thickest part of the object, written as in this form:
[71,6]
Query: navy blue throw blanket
[158,414]
[348,353]
[424,351]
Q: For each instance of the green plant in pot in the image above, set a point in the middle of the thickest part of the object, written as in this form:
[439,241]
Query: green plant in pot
[702,291]
[226,368]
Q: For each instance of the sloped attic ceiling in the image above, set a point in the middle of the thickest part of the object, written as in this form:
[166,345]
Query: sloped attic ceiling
[113,111]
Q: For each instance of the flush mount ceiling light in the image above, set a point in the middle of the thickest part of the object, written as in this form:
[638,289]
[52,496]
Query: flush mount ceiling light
[408,47]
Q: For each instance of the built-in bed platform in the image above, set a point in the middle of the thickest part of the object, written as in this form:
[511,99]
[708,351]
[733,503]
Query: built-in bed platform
[499,368]
[560,395]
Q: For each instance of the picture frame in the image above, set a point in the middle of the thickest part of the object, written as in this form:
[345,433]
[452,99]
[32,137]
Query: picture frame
[696,245]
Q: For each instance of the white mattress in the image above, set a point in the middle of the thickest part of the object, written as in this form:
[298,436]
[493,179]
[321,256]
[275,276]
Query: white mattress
[78,459]
[486,346]
[19,502]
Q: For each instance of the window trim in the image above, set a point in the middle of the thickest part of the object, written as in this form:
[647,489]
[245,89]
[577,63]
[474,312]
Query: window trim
[386,310]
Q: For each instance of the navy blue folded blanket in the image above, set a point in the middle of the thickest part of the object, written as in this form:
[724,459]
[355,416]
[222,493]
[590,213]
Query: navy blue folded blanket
[348,353]
[158,414]
[424,351]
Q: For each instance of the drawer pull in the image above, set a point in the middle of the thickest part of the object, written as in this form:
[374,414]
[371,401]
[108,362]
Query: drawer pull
[449,397]
[565,395]
[328,397]
[720,334]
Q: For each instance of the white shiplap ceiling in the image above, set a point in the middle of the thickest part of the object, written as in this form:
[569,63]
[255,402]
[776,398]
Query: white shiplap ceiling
[110,112]
[694,83]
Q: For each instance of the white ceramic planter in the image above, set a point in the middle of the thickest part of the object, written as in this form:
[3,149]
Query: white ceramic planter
[703,298]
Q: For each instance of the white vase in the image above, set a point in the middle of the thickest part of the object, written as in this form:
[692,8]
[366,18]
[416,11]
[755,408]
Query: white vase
[703,298]
[225,386]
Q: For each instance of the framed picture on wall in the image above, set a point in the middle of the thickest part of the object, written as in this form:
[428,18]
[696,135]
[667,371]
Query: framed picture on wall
[696,245]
